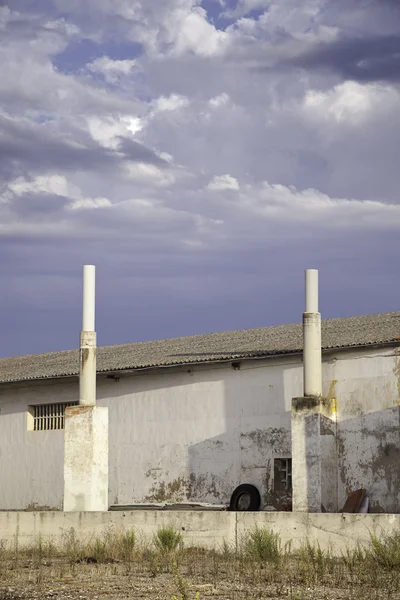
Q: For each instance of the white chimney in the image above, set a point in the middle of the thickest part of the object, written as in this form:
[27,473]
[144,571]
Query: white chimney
[312,355]
[87,354]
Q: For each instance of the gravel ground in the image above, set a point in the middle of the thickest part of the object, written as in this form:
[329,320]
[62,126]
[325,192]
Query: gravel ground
[59,580]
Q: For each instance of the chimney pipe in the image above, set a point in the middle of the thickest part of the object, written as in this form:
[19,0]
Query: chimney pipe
[87,353]
[89,274]
[312,354]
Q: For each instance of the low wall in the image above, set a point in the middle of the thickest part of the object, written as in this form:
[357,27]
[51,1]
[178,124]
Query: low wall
[206,529]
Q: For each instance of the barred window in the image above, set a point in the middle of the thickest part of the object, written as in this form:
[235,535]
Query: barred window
[47,417]
[283,474]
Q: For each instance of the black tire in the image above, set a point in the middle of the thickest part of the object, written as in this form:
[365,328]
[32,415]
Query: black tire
[245,497]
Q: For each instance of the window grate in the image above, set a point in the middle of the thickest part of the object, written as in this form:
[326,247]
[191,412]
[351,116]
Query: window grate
[47,417]
[283,474]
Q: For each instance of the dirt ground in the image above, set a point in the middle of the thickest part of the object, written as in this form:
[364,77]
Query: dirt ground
[61,581]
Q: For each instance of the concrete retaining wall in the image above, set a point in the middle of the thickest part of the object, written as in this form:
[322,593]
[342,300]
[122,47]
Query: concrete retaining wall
[206,529]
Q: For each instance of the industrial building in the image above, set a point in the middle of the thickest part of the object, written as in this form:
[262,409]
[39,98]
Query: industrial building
[191,419]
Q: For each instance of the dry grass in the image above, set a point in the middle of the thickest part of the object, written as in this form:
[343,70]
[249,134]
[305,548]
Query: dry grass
[120,565]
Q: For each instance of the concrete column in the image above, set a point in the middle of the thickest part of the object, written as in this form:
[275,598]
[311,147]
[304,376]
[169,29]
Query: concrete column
[87,368]
[306,411]
[306,454]
[312,357]
[87,350]
[86,459]
[86,425]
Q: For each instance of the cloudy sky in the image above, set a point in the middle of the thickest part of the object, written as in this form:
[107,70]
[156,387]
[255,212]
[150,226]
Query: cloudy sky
[201,154]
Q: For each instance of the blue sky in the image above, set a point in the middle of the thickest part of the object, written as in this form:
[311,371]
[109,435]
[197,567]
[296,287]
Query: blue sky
[201,155]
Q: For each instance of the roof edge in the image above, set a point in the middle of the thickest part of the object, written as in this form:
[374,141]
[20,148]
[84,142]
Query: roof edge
[266,356]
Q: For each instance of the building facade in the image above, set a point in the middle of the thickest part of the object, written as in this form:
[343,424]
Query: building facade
[212,418]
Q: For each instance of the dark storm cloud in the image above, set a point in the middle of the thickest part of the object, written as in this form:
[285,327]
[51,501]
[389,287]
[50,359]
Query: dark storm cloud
[34,152]
[135,307]
[366,59]
[43,207]
[135,151]
[26,148]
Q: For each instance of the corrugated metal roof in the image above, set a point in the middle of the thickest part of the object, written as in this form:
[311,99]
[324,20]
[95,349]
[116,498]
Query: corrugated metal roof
[214,347]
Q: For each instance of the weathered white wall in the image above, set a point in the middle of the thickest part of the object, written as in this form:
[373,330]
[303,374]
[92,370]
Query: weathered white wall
[368,432]
[31,462]
[197,433]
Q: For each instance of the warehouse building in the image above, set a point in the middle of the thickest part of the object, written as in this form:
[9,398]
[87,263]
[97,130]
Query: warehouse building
[193,418]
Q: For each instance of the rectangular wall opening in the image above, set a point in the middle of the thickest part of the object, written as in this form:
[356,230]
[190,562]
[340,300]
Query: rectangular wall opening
[283,474]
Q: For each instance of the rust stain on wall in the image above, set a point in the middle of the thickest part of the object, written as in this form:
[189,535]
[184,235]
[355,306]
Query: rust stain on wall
[77,410]
[332,389]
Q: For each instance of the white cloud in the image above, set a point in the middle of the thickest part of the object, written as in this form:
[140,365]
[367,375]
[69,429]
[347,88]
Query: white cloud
[107,130]
[223,182]
[54,185]
[112,70]
[286,204]
[90,203]
[172,102]
[167,28]
[219,101]
[141,173]
[207,151]
[349,101]
[48,184]
[196,34]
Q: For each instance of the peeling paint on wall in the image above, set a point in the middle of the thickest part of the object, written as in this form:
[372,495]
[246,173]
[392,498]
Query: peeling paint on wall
[174,491]
[35,507]
[194,488]
[368,457]
[259,448]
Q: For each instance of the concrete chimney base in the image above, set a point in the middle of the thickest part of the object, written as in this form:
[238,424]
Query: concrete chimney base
[86,459]
[314,454]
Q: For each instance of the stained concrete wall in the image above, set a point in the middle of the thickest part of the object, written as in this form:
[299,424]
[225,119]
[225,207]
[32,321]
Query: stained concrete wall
[196,433]
[368,432]
[200,529]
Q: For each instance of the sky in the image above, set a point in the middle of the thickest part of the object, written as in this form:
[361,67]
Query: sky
[202,154]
